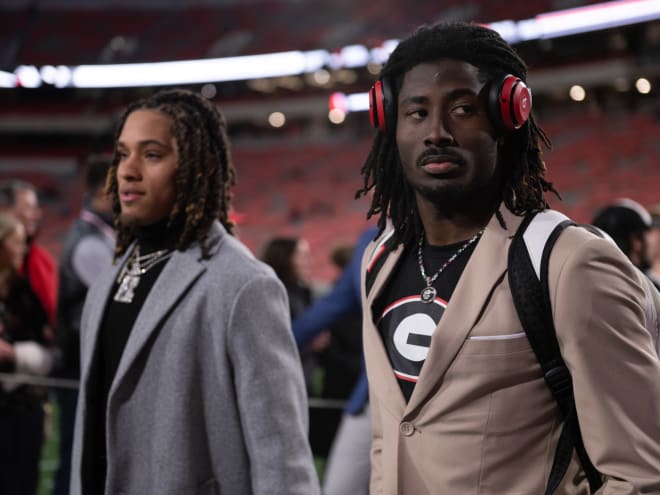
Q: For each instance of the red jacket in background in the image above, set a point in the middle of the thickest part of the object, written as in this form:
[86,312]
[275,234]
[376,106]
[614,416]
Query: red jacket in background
[41,270]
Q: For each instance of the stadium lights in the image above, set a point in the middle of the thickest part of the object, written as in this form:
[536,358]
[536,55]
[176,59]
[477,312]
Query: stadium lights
[578,20]
[277,119]
[577,93]
[355,102]
[596,17]
[7,79]
[544,26]
[643,85]
[336,116]
[197,71]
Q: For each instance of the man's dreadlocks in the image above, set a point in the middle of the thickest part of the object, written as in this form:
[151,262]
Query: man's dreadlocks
[520,153]
[204,175]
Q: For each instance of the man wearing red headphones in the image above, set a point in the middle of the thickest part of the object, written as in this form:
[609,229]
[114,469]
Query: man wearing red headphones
[458,399]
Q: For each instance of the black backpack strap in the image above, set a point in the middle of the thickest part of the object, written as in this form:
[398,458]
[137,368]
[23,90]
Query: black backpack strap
[531,297]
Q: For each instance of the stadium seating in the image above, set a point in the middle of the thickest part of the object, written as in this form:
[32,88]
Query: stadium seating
[51,35]
[307,189]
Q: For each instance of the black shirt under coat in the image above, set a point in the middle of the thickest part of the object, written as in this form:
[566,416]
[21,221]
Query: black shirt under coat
[116,326]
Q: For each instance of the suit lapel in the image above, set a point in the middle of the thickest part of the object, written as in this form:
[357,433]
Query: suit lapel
[484,270]
[375,353]
[178,275]
[96,310]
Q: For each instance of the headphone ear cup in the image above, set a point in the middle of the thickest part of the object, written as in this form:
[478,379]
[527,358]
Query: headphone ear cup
[376,106]
[521,104]
[509,103]
[381,109]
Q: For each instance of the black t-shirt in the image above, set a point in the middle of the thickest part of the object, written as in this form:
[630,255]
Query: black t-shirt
[405,323]
[116,327]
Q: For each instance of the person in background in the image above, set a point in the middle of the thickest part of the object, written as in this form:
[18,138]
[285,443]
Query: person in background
[459,402]
[20,199]
[653,244]
[348,467]
[190,379]
[341,363]
[342,359]
[628,223]
[24,349]
[86,252]
[290,257]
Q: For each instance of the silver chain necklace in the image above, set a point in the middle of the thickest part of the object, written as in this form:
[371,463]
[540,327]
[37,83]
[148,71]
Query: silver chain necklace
[428,293]
[135,267]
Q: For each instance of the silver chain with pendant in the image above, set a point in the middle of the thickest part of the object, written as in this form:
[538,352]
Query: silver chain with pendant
[428,293]
[134,268]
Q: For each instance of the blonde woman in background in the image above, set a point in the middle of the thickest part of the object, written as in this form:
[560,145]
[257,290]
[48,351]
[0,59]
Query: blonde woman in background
[23,350]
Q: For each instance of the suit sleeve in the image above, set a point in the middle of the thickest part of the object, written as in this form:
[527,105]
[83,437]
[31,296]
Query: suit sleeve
[270,391]
[376,476]
[599,316]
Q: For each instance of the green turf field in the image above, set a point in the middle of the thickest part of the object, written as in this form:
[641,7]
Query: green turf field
[49,451]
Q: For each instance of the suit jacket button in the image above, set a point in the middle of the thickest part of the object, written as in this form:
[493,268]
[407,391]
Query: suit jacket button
[406,428]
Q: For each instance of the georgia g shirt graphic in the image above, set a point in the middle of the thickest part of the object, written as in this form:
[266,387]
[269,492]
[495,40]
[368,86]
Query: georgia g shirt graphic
[407,326]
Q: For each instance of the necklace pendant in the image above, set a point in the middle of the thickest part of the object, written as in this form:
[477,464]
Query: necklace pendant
[428,294]
[125,292]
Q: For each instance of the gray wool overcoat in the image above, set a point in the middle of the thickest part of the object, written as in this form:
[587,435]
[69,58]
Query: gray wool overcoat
[209,396]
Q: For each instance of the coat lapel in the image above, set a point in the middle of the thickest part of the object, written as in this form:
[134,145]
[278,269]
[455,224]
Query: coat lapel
[178,275]
[96,310]
[375,353]
[484,270]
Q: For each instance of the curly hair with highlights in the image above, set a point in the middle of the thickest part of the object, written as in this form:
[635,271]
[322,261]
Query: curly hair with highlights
[205,173]
[520,151]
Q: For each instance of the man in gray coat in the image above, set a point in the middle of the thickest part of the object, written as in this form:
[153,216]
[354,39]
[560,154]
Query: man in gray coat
[190,378]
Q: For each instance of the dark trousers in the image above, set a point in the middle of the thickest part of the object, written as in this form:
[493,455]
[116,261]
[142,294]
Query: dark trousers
[21,437]
[66,401]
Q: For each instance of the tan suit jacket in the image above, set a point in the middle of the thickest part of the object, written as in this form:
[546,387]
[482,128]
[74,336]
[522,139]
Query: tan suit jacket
[481,419]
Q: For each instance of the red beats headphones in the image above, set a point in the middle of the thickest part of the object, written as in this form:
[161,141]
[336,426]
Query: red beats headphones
[382,111]
[509,104]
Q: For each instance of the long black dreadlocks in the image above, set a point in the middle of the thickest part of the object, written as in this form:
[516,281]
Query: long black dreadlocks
[205,173]
[520,152]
